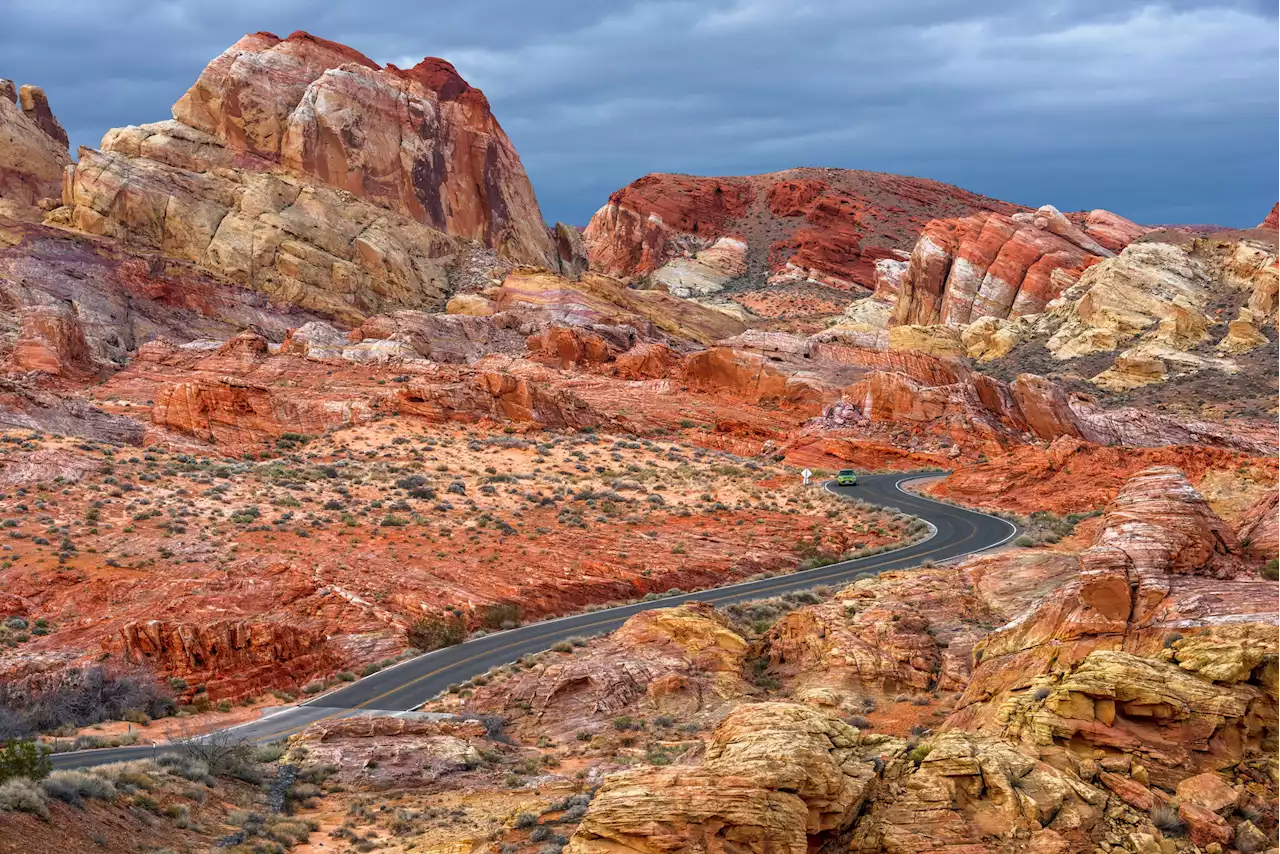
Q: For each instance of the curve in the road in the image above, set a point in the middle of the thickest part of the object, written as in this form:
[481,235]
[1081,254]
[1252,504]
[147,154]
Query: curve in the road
[956,532]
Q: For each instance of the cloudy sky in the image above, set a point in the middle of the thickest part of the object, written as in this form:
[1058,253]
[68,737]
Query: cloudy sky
[1164,112]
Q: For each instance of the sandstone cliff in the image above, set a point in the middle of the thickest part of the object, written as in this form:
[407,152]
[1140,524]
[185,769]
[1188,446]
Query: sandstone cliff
[300,168]
[991,265]
[33,151]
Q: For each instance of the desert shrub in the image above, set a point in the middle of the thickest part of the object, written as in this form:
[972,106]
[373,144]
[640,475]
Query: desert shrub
[73,786]
[24,759]
[1271,572]
[80,697]
[22,795]
[526,819]
[919,753]
[436,632]
[500,615]
[184,766]
[1166,818]
[1024,541]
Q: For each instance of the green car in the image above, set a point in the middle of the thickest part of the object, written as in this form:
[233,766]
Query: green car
[846,477]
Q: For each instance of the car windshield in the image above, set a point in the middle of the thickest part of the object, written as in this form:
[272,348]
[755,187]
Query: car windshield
[846,472]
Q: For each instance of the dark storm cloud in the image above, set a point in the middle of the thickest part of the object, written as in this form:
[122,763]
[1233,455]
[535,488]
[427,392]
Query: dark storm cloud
[1165,112]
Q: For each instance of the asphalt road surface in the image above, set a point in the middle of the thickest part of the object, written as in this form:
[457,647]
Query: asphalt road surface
[411,683]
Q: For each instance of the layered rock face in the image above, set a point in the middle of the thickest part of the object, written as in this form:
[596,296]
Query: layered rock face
[898,634]
[1086,666]
[773,775]
[419,141]
[239,657]
[33,151]
[84,305]
[803,233]
[378,753]
[975,408]
[300,168]
[676,661]
[991,265]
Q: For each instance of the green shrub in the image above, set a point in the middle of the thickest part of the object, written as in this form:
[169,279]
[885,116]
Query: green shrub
[500,615]
[1271,572]
[436,632]
[24,759]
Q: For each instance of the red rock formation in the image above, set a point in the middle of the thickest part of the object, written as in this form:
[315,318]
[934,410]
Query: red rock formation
[231,658]
[977,409]
[51,341]
[751,376]
[1273,218]
[989,265]
[299,169]
[1112,231]
[641,227]
[241,395]
[1158,576]
[646,360]
[1072,475]
[836,223]
[420,141]
[685,660]
[567,346]
[1259,528]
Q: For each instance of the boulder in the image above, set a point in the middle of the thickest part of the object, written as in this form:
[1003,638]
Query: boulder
[1209,791]
[646,360]
[773,774]
[1159,291]
[686,660]
[1242,335]
[51,341]
[471,304]
[379,752]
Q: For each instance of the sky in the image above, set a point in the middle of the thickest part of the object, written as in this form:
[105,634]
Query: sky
[1163,112]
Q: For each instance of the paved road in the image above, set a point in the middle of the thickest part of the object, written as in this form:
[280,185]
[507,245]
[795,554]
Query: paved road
[411,683]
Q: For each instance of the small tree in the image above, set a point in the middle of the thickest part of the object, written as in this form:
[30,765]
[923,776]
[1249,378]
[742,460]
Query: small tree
[223,751]
[24,759]
[436,632]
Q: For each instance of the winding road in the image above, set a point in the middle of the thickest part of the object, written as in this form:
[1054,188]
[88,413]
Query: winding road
[407,685]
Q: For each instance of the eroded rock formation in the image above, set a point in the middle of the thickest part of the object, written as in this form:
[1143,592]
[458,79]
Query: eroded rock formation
[300,168]
[33,151]
[992,265]
[694,234]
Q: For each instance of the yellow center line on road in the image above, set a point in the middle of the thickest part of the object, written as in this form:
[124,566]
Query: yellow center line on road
[546,635]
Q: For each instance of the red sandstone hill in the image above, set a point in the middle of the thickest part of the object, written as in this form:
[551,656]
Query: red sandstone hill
[809,226]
